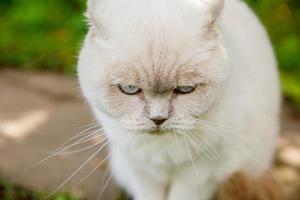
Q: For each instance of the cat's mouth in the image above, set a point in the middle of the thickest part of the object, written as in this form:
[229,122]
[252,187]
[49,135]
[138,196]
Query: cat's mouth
[156,131]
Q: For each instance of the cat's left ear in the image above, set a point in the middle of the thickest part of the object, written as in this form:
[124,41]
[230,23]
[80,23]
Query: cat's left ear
[90,13]
[213,9]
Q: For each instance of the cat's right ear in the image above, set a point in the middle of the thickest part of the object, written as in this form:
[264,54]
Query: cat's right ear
[89,14]
[96,29]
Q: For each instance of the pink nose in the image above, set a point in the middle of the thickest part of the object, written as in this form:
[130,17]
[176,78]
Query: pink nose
[158,121]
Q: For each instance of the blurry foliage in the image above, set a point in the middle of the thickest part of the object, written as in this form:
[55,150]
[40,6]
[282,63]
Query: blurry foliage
[41,34]
[46,35]
[282,20]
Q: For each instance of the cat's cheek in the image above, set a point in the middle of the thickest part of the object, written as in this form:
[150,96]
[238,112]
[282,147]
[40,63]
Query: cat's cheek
[197,102]
[120,105]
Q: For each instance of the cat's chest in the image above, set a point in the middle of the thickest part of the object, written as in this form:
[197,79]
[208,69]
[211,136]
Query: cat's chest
[168,151]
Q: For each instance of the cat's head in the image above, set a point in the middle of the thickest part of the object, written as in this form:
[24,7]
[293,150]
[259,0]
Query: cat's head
[151,65]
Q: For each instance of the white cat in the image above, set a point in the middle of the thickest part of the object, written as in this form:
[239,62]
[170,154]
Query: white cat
[187,92]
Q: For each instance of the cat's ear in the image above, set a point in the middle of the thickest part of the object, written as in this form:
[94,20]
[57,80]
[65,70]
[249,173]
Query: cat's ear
[213,9]
[96,29]
[89,14]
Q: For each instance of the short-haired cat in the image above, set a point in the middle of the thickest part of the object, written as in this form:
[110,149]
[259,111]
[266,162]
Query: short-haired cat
[186,90]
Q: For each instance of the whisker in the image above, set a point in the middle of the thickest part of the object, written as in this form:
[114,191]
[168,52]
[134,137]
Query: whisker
[225,128]
[104,176]
[206,148]
[91,124]
[105,186]
[82,133]
[190,153]
[76,171]
[93,170]
[81,141]
[81,150]
[209,150]
[222,135]
[58,149]
[176,139]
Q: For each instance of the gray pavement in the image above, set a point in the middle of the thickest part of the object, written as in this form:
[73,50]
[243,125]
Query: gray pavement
[38,112]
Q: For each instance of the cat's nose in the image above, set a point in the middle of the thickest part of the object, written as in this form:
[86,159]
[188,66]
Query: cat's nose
[159,120]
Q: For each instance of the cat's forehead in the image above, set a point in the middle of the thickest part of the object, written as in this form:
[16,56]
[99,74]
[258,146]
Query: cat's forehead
[159,67]
[160,63]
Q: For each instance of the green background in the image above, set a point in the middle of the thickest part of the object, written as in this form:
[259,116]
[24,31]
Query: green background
[46,35]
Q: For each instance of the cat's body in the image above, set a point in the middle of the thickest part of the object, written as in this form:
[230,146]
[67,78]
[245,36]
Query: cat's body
[237,122]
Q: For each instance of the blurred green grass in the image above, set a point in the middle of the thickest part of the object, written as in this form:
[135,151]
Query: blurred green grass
[41,35]
[14,192]
[282,20]
[46,35]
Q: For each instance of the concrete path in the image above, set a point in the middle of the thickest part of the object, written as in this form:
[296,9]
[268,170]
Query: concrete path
[40,111]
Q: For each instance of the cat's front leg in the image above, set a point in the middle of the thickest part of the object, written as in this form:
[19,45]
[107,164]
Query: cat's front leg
[139,183]
[146,188]
[180,191]
[192,185]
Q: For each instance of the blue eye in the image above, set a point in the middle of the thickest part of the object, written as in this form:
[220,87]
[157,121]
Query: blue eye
[184,89]
[129,89]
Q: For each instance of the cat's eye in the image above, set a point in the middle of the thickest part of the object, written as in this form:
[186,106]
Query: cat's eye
[184,89]
[129,89]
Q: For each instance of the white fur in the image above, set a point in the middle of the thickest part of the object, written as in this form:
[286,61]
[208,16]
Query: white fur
[247,98]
